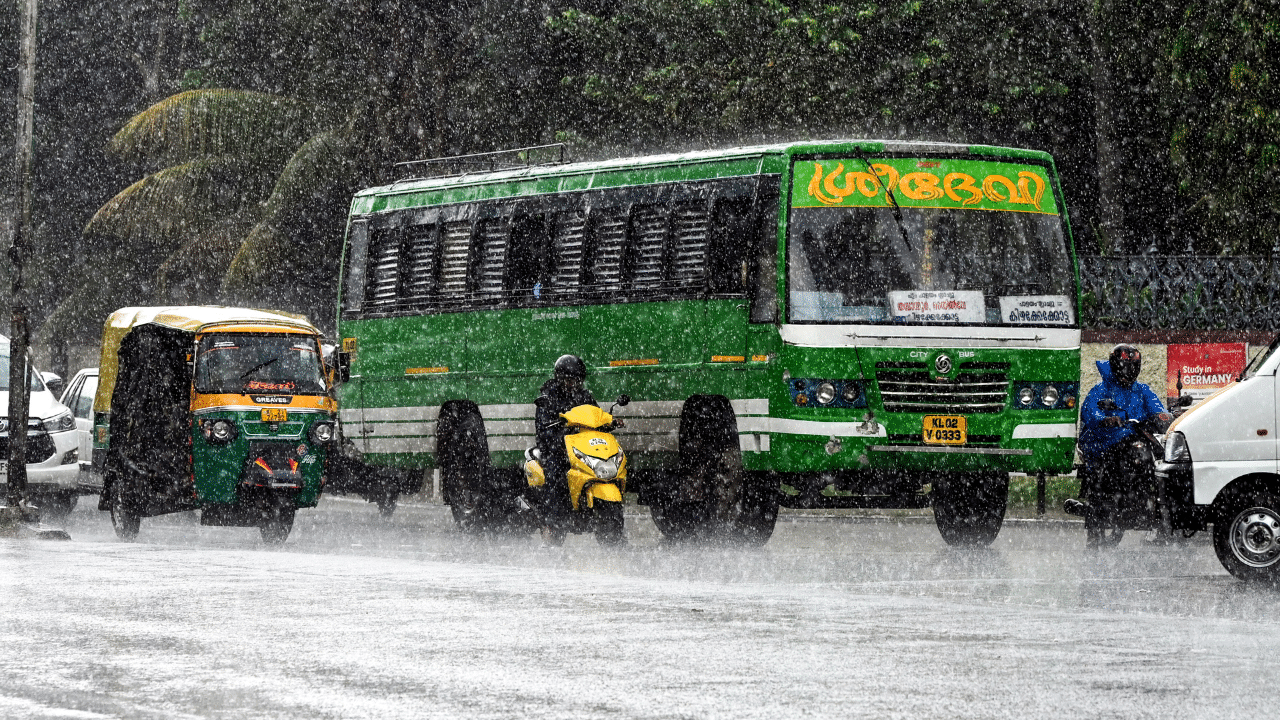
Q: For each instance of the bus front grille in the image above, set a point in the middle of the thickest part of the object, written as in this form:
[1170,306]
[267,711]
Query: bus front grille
[908,387]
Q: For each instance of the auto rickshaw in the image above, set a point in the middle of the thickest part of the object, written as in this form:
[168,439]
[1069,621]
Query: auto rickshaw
[223,410]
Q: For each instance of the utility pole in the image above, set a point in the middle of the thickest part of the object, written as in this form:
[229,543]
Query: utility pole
[19,252]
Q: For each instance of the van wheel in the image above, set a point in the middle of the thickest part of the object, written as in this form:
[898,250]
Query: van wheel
[1246,536]
[462,451]
[276,523]
[124,516]
[969,507]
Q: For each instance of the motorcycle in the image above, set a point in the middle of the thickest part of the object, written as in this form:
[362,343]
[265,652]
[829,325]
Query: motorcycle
[1136,498]
[597,477]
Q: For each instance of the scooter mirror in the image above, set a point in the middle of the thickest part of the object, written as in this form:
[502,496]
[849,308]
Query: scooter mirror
[623,400]
[1107,404]
[1185,401]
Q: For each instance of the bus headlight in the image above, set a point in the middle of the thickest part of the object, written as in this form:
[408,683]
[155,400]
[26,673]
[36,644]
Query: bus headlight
[1026,396]
[825,394]
[1049,396]
[1176,449]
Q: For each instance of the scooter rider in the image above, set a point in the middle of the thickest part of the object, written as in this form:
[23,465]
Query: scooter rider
[563,392]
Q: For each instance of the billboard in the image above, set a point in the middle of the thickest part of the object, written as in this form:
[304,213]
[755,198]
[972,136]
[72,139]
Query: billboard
[1203,368]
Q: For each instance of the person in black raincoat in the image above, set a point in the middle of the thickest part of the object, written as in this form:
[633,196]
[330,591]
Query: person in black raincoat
[563,392]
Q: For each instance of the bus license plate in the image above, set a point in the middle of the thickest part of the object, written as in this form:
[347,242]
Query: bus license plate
[945,430]
[274,415]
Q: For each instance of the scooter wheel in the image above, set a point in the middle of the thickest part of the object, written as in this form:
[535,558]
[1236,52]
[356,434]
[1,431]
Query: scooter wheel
[609,523]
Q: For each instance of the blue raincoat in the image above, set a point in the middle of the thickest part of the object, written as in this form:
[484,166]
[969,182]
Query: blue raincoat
[1136,402]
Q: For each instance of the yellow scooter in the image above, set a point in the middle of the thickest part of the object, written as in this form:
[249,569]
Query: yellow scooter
[597,474]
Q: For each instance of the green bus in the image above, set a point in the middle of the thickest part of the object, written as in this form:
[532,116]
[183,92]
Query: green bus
[855,324]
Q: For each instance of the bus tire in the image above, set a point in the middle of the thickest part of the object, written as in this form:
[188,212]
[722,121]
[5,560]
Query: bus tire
[700,500]
[386,501]
[462,451]
[125,518]
[277,522]
[1246,534]
[969,507]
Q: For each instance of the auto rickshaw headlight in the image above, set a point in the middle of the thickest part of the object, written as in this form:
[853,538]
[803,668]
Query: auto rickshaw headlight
[322,432]
[219,431]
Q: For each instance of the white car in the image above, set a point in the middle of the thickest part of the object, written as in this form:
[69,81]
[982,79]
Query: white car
[78,397]
[52,447]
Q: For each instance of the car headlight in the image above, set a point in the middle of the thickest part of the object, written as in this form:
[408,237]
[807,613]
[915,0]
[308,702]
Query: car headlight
[603,468]
[218,431]
[1176,449]
[1049,396]
[322,432]
[61,422]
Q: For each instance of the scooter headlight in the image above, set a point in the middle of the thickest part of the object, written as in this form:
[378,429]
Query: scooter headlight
[602,468]
[1176,449]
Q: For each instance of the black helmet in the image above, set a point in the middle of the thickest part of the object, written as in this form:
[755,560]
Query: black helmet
[1126,363]
[570,367]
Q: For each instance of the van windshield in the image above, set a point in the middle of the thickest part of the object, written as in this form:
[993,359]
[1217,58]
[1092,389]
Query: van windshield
[230,363]
[36,383]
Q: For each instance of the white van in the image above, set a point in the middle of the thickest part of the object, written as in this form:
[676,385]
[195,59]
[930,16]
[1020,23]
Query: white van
[1222,467]
[52,448]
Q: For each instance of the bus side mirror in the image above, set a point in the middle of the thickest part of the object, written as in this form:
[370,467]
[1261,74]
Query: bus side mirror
[344,366]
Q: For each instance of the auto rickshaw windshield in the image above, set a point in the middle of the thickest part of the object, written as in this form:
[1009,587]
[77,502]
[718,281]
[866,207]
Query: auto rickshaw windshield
[232,363]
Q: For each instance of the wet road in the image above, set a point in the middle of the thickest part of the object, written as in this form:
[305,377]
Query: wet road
[836,617]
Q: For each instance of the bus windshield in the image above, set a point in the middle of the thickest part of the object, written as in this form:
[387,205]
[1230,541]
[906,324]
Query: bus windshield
[957,265]
[230,363]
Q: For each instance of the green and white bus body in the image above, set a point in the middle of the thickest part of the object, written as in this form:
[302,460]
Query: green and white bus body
[861,355]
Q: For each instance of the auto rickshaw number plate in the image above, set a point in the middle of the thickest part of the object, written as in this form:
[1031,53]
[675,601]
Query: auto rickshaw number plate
[274,415]
[945,430]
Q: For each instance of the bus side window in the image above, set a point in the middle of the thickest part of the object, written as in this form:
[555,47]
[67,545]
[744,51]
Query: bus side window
[452,283]
[568,250]
[384,268]
[419,260]
[647,252]
[733,239]
[691,238]
[764,280]
[356,260]
[524,264]
[492,240]
[609,238]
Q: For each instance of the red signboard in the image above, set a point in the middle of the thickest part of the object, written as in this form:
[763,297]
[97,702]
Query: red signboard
[1204,368]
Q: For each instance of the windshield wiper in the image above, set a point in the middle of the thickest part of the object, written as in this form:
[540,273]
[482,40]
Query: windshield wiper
[893,201]
[257,367]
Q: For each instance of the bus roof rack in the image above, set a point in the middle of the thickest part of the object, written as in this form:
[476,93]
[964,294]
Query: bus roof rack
[480,162]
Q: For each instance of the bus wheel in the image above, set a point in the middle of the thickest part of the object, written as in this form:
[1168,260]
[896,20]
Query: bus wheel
[277,521]
[1246,536]
[462,451]
[124,516]
[969,507]
[701,499]
[608,523]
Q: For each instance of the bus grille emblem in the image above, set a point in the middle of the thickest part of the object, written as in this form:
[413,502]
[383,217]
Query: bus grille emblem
[942,365]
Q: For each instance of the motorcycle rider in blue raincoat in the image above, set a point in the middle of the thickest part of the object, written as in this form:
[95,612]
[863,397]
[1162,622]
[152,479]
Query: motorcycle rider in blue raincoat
[1106,430]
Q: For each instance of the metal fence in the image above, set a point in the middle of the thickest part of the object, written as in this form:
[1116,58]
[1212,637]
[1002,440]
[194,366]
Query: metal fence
[1183,292]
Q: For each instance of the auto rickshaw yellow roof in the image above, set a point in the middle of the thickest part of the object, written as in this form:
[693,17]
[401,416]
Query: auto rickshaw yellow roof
[188,318]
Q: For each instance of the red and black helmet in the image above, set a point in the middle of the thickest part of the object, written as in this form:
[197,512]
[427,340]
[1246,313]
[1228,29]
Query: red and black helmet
[1126,363]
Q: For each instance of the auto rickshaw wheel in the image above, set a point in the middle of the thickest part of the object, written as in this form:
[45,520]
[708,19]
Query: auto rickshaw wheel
[276,523]
[124,518]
